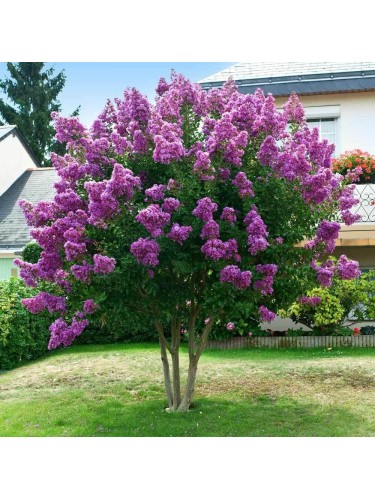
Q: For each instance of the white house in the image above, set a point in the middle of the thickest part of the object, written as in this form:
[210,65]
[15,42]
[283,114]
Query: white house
[20,178]
[339,99]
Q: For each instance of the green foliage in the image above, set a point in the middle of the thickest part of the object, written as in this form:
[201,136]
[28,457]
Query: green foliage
[31,253]
[352,300]
[23,336]
[31,96]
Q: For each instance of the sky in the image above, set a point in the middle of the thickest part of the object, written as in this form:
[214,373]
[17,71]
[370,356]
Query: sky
[90,84]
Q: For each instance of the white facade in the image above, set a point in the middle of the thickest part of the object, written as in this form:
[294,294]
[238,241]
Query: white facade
[354,115]
[15,159]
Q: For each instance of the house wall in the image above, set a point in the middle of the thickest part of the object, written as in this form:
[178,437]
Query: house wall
[14,161]
[356,125]
[6,267]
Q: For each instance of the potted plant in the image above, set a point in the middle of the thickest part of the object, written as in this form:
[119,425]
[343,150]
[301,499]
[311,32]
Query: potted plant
[349,163]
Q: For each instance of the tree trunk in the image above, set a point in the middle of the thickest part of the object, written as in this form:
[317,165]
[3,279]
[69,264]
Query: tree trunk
[190,386]
[164,358]
[173,389]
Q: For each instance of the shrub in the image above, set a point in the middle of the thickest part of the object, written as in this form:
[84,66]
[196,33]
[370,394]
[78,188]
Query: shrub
[326,309]
[23,336]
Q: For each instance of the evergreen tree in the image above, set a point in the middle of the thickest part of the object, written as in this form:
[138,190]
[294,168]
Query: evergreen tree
[31,95]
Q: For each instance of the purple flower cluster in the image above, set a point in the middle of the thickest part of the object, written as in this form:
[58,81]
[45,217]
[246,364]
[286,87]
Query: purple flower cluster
[210,230]
[146,251]
[265,314]
[325,272]
[179,233]
[153,219]
[347,269]
[257,231]
[234,275]
[44,301]
[226,139]
[170,205]
[104,196]
[265,284]
[309,301]
[216,249]
[64,334]
[229,214]
[203,167]
[89,306]
[103,264]
[204,209]
[244,186]
[156,192]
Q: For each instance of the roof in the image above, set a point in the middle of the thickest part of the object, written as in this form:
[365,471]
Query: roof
[34,185]
[6,130]
[304,78]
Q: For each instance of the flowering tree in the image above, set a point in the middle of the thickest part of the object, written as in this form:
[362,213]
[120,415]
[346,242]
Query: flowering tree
[190,212]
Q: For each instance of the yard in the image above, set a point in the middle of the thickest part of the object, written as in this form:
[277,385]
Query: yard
[117,390]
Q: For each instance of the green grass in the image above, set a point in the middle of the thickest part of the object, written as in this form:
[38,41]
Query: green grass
[117,390]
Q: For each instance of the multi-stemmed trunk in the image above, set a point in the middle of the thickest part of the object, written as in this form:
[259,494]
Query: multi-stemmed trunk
[172,381]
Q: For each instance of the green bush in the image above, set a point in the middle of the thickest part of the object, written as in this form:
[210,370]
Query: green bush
[23,336]
[108,326]
[346,300]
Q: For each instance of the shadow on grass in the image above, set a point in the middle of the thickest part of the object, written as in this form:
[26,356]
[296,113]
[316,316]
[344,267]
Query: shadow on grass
[264,416]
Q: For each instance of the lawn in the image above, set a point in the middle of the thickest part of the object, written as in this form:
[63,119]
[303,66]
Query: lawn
[117,390]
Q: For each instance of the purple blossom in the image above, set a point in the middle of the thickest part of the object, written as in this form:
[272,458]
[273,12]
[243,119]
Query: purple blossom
[210,230]
[204,209]
[234,275]
[244,186]
[89,306]
[265,284]
[257,232]
[203,167]
[82,272]
[179,233]
[347,269]
[103,264]
[146,251]
[310,301]
[229,214]
[153,219]
[156,192]
[64,334]
[265,314]
[230,326]
[293,109]
[44,301]
[170,205]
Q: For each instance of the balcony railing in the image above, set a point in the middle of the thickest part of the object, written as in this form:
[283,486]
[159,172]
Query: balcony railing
[366,206]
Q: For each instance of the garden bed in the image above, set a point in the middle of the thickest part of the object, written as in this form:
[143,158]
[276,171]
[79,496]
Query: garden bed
[294,342]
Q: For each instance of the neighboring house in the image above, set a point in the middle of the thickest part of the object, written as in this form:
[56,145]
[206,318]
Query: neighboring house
[34,185]
[15,156]
[20,178]
[339,99]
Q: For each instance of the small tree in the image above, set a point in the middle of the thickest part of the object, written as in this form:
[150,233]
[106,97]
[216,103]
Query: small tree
[188,212]
[32,94]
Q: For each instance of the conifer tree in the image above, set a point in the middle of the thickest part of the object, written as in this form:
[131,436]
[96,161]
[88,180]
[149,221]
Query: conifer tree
[31,95]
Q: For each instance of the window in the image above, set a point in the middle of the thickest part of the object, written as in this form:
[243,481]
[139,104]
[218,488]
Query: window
[327,120]
[327,129]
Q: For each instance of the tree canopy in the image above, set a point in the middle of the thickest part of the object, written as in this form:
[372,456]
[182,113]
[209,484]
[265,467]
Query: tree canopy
[31,95]
[191,212]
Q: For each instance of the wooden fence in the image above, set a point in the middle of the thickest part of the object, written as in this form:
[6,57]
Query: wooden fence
[293,342]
